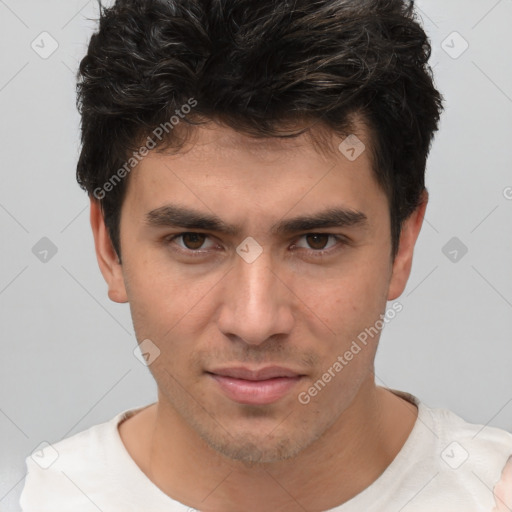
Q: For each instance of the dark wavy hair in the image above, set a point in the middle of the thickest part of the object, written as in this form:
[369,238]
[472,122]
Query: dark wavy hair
[259,67]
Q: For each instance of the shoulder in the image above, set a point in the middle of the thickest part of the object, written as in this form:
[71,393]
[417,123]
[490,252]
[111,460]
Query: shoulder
[454,464]
[57,473]
[476,441]
[474,457]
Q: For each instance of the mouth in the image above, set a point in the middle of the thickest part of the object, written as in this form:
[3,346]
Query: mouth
[255,387]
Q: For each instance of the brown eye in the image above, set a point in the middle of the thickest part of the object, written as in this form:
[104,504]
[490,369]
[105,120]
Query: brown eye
[193,241]
[320,245]
[191,244]
[317,241]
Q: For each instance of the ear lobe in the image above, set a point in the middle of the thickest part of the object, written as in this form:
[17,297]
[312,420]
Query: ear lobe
[107,258]
[403,260]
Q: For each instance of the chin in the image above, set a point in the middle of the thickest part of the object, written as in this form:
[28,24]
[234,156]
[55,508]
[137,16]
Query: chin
[259,447]
[253,453]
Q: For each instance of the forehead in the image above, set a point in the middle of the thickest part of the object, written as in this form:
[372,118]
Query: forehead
[213,145]
[313,137]
[225,171]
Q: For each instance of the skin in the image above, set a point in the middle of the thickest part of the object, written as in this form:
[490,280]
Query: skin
[287,308]
[503,490]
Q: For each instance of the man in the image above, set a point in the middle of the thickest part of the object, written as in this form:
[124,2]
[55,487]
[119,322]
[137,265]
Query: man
[256,176]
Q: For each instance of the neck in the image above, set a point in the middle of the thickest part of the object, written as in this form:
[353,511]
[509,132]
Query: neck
[328,473]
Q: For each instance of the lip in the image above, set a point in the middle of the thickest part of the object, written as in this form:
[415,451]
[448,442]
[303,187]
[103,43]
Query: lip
[255,387]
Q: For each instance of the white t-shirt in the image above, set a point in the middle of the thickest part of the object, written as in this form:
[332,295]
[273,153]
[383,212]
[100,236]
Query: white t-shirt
[446,465]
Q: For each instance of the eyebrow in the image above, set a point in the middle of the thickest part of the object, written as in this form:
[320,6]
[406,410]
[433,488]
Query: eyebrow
[184,217]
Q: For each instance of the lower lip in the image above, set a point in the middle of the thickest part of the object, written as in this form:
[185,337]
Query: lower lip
[256,392]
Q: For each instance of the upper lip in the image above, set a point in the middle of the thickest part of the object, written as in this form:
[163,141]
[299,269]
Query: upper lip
[269,372]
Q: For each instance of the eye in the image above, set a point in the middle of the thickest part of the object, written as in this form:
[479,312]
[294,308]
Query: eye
[321,243]
[313,244]
[191,241]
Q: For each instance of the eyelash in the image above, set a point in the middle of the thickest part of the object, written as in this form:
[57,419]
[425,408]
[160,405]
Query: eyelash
[342,241]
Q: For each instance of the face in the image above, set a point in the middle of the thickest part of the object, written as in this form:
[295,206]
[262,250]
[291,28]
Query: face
[314,274]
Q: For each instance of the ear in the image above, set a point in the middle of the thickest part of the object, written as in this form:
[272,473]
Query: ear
[403,260]
[107,258]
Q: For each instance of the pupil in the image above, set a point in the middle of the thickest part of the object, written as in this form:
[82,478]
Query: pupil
[317,241]
[193,240]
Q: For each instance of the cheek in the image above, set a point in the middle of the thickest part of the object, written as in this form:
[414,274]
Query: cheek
[349,302]
[171,313]
[165,300]
[347,353]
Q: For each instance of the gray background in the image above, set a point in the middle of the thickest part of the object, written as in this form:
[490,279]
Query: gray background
[67,357]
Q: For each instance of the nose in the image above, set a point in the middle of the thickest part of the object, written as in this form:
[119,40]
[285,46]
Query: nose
[256,303]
